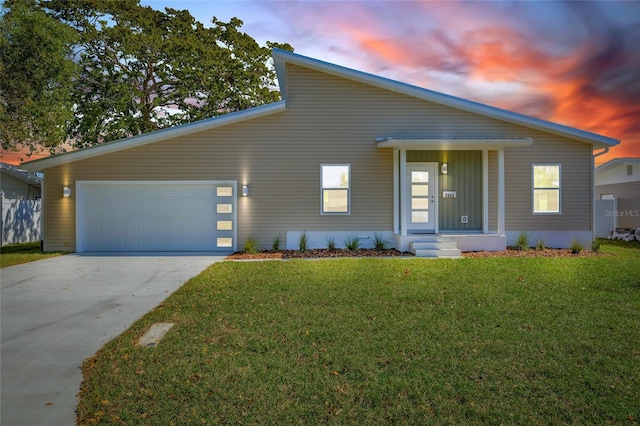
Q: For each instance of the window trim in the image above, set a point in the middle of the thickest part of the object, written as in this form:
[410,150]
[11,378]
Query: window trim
[534,188]
[322,188]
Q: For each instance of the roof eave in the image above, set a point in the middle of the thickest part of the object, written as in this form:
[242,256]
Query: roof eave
[20,175]
[616,162]
[157,136]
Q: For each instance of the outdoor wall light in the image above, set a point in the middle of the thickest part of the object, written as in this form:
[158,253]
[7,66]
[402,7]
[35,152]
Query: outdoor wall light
[66,192]
[443,168]
[245,190]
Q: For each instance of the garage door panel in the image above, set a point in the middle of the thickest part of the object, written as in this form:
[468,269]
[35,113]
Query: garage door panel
[153,216]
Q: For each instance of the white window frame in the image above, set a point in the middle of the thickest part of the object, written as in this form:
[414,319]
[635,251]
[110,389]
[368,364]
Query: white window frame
[534,188]
[322,189]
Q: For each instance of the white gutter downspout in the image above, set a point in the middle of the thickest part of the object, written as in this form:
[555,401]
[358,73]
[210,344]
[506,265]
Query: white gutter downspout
[602,152]
[593,191]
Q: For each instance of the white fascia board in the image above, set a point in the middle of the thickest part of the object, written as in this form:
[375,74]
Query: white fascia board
[281,57]
[452,144]
[157,136]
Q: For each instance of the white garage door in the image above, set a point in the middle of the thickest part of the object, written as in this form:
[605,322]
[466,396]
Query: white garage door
[156,216]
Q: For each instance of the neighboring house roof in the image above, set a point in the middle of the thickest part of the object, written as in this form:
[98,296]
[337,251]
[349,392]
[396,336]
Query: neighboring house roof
[21,175]
[617,162]
[281,59]
[618,171]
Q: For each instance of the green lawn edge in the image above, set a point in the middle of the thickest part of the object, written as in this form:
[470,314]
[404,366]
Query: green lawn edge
[16,254]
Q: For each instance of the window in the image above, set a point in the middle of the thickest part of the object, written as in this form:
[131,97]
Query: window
[224,191]
[224,208]
[546,188]
[630,170]
[335,194]
[224,242]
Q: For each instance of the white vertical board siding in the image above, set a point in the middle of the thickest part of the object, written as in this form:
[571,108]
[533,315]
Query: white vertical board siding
[327,120]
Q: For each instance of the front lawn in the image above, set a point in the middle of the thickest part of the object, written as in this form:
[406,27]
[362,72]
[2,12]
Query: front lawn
[382,341]
[15,254]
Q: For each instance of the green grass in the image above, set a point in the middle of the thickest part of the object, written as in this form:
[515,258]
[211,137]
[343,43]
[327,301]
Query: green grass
[379,341]
[16,254]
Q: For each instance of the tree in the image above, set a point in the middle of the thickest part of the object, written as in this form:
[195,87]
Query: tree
[142,69]
[36,70]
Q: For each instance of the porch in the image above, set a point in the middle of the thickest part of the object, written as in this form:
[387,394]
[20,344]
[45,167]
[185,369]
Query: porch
[449,194]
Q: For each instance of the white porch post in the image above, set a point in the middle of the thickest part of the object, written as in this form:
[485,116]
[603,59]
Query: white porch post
[501,208]
[396,193]
[403,191]
[485,191]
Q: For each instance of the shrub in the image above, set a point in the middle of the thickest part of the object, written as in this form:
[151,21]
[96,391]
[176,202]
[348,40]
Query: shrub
[379,242]
[331,243]
[352,243]
[251,246]
[277,244]
[541,244]
[303,242]
[522,243]
[595,245]
[576,246]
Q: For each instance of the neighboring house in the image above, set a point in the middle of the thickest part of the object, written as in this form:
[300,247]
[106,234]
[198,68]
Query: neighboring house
[344,154]
[20,205]
[618,180]
[19,184]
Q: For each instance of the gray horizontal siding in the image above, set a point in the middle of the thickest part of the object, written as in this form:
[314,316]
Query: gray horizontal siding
[328,120]
[575,159]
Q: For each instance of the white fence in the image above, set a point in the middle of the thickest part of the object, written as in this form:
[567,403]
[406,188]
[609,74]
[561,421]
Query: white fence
[606,220]
[20,220]
[616,213]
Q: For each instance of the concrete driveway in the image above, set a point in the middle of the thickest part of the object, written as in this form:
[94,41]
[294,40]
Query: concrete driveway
[59,311]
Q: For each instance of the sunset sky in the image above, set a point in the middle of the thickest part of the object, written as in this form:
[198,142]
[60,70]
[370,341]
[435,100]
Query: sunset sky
[575,63]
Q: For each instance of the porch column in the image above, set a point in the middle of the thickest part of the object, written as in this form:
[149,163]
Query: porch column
[396,191]
[403,191]
[485,191]
[501,209]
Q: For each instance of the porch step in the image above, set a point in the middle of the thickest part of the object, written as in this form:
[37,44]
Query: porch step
[435,247]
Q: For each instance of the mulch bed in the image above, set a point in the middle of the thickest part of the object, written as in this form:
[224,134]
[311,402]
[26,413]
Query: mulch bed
[548,252]
[316,254]
[325,253]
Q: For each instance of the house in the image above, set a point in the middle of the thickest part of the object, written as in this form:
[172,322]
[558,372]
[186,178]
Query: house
[618,180]
[16,183]
[20,205]
[343,154]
